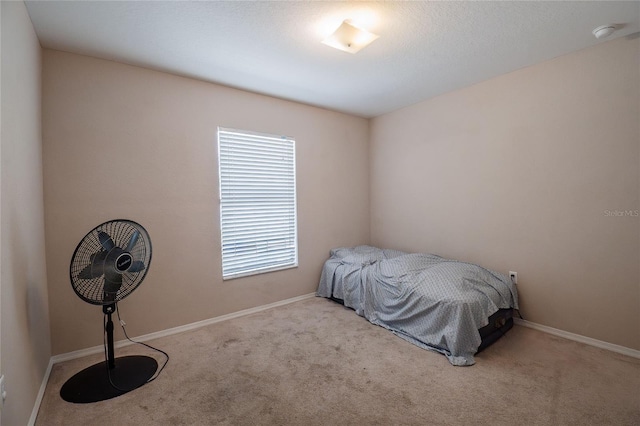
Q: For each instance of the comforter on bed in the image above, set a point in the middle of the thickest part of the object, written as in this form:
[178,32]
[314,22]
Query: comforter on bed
[432,302]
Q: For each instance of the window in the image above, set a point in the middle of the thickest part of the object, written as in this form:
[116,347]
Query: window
[257,202]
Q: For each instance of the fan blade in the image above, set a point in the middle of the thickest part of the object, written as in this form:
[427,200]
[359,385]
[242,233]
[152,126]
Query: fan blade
[133,241]
[86,274]
[105,240]
[136,266]
[96,268]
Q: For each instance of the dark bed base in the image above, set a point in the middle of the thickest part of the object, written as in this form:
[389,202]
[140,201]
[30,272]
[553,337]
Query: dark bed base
[499,323]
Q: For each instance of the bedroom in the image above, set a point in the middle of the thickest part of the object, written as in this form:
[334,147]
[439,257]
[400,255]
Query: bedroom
[522,166]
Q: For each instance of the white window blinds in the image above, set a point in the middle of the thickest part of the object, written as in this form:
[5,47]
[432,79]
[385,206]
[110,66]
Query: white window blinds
[257,202]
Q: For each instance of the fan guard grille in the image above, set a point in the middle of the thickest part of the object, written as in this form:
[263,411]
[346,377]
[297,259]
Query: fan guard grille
[94,272]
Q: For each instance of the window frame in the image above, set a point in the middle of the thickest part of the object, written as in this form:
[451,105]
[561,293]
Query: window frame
[290,253]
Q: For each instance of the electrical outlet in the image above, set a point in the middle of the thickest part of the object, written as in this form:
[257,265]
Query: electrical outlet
[514,277]
[3,392]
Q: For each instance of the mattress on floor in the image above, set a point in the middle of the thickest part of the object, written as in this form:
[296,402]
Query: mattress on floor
[433,302]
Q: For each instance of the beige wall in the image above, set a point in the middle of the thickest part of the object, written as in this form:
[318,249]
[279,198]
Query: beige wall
[126,142]
[26,346]
[517,173]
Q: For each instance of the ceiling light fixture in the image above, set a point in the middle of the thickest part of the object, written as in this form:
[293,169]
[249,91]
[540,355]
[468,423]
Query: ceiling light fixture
[349,38]
[604,31]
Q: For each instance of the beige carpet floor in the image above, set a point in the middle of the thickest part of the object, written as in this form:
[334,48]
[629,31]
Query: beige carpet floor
[314,362]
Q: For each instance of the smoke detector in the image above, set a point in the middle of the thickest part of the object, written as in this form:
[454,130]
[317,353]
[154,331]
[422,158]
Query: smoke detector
[604,31]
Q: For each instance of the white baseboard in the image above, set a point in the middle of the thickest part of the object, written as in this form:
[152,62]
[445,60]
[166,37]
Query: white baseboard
[579,338]
[43,386]
[122,343]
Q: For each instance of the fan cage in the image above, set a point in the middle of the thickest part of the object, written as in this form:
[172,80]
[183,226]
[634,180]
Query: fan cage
[121,230]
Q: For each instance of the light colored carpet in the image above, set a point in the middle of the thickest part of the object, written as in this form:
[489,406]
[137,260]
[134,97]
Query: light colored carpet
[315,362]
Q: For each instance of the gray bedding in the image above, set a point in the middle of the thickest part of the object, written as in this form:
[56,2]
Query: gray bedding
[432,302]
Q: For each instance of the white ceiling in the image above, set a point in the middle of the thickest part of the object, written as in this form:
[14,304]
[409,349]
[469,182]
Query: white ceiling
[273,47]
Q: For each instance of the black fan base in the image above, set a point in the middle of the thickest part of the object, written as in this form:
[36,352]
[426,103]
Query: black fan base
[92,384]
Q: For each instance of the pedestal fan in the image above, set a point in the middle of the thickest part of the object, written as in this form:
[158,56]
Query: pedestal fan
[108,264]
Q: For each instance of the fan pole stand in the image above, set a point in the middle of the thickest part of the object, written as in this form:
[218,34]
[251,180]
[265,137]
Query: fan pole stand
[110,378]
